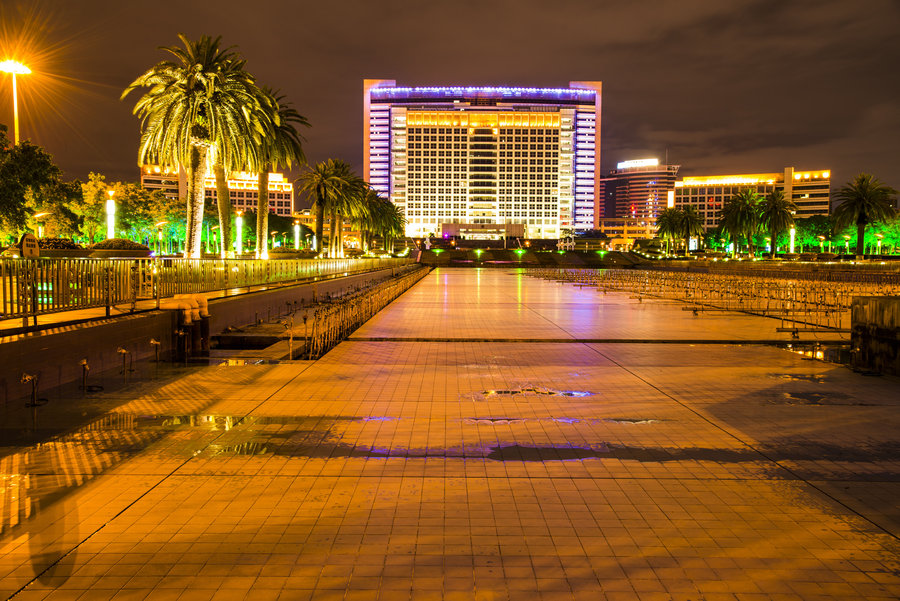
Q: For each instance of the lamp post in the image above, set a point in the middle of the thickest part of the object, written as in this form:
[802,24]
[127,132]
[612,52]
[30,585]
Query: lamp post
[821,244]
[847,244]
[159,236]
[15,68]
[879,236]
[110,215]
[793,232]
[296,235]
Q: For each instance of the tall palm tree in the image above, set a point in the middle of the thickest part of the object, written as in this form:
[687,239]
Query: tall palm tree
[690,224]
[324,184]
[280,147]
[668,225]
[346,205]
[776,214]
[203,98]
[863,200]
[740,217]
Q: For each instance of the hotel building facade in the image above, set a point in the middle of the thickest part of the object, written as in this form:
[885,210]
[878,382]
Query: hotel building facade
[483,162]
[810,191]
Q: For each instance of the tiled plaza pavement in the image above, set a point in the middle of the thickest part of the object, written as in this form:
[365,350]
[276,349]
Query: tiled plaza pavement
[478,470]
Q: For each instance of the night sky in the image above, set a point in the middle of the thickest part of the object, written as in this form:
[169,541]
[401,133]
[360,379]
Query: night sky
[736,86]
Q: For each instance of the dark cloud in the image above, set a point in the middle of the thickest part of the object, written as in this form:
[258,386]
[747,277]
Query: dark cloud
[738,86]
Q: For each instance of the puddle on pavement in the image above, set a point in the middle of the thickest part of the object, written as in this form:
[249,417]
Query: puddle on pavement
[819,398]
[526,391]
[492,421]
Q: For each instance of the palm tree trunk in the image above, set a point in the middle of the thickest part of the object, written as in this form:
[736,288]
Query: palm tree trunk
[860,238]
[194,227]
[772,238]
[223,201]
[339,247]
[262,214]
[320,224]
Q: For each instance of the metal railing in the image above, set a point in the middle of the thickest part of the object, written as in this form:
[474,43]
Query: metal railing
[33,287]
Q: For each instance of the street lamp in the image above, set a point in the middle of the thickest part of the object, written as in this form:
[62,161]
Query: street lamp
[847,244]
[879,236]
[110,215]
[821,244]
[15,68]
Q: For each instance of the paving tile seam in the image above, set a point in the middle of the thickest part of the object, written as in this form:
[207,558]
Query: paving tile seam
[151,488]
[721,341]
[715,424]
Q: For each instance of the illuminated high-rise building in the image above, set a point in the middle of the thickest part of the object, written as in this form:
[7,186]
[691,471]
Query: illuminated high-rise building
[810,191]
[638,189]
[485,161]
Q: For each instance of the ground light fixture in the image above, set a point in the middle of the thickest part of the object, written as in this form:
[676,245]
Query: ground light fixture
[14,68]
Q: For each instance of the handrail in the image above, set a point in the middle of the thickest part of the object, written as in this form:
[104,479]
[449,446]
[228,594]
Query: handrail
[33,287]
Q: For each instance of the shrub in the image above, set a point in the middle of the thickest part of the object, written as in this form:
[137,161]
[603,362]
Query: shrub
[118,244]
[58,244]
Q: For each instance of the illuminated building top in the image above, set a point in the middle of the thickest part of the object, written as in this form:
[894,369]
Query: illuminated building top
[467,93]
[749,179]
[637,163]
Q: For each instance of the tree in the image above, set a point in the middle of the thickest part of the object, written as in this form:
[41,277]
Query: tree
[50,207]
[668,225]
[690,224]
[203,98]
[863,200]
[280,147]
[739,217]
[24,169]
[776,214]
[327,185]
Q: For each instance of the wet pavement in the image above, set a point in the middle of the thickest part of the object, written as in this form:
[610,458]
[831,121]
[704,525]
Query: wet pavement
[419,461]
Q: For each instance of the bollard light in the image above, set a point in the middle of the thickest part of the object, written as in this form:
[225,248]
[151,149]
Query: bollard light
[296,235]
[239,241]
[110,215]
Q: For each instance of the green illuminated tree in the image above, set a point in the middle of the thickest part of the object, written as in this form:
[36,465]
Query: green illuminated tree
[739,217]
[203,98]
[690,224]
[668,224]
[776,214]
[863,201]
[25,169]
[329,185]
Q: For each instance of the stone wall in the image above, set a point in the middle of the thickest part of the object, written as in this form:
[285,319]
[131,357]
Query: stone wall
[875,337]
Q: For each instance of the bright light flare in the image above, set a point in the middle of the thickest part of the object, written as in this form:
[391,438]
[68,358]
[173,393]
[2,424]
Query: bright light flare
[14,67]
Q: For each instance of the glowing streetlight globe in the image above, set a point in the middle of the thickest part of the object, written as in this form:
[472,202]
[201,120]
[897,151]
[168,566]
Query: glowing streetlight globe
[14,68]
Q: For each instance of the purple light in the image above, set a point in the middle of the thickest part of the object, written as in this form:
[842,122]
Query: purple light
[484,91]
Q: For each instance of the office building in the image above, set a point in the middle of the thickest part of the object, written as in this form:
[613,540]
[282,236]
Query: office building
[482,159]
[638,189]
[242,188]
[810,191]
[164,179]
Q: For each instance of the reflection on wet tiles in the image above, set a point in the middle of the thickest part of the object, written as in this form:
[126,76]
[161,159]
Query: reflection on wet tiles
[631,420]
[815,378]
[566,420]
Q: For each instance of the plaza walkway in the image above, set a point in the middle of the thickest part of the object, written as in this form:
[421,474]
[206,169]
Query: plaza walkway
[487,436]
